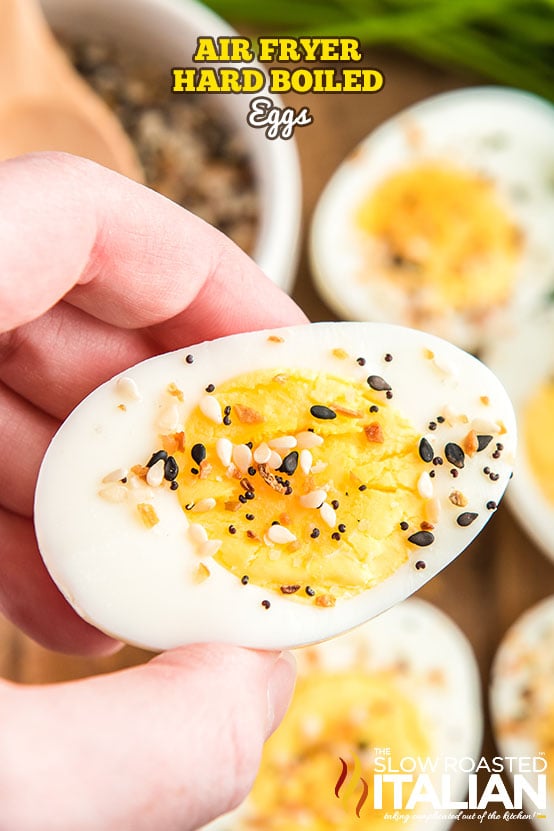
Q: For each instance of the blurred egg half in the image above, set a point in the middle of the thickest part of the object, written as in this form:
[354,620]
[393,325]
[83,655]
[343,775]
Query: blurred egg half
[441,218]
[525,364]
[403,687]
[522,700]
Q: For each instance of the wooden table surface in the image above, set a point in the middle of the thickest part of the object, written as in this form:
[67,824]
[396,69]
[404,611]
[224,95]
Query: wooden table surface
[502,573]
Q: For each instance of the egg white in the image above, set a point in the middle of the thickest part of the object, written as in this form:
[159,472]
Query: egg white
[138,584]
[523,361]
[425,641]
[526,649]
[506,135]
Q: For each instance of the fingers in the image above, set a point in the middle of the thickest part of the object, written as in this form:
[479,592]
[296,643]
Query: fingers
[55,361]
[135,258]
[168,745]
[29,598]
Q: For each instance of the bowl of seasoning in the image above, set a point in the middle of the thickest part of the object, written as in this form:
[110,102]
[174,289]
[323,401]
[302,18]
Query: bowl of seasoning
[196,149]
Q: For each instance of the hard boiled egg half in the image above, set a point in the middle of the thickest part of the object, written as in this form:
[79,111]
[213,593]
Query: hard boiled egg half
[525,363]
[441,218]
[272,489]
[522,704]
[400,691]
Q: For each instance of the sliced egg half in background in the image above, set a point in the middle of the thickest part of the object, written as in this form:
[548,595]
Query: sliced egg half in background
[522,697]
[525,364]
[272,489]
[441,218]
[407,681]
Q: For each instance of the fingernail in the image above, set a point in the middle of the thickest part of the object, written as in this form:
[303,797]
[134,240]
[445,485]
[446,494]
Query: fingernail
[280,688]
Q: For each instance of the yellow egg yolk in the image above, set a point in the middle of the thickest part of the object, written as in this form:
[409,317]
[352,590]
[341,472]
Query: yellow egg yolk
[367,468]
[334,715]
[445,237]
[538,417]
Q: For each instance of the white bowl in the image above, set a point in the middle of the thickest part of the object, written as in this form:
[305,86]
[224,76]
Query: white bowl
[165,31]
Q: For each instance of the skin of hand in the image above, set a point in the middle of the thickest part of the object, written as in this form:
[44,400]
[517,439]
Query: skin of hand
[97,274]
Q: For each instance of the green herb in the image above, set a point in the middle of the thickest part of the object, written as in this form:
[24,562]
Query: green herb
[507,41]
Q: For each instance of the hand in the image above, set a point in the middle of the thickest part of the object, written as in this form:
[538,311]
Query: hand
[97,274]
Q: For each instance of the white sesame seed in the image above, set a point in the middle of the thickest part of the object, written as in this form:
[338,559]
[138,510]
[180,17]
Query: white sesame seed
[197,533]
[224,450]
[328,515]
[319,466]
[211,408]
[280,535]
[128,389]
[275,461]
[113,493]
[314,499]
[425,486]
[155,475]
[282,443]
[262,453]
[169,420]
[203,505]
[242,457]
[482,425]
[445,366]
[209,548]
[116,475]
[306,461]
[306,440]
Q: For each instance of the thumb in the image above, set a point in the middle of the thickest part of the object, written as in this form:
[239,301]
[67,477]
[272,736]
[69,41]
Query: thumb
[170,745]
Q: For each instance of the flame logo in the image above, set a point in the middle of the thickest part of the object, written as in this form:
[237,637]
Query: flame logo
[351,786]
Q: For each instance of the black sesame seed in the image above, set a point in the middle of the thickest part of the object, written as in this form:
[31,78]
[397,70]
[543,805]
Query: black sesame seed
[437,460]
[389,394]
[362,488]
[124,480]
[155,457]
[309,591]
[454,473]
[189,359]
[499,446]
[492,506]
[290,589]
[171,469]
[342,527]
[275,522]
[432,425]
[432,474]
[440,419]
[335,503]
[425,450]
[250,494]
[250,444]
[194,471]
[174,486]
[250,517]
[466,518]
[319,411]
[242,498]
[422,538]
[454,454]
[226,420]
[227,410]
[494,477]
[486,470]
[420,564]
[315,534]
[189,506]
[266,604]
[251,471]
[232,529]
[496,454]
[378,383]
[335,536]
[244,579]
[289,463]
[482,442]
[404,526]
[374,408]
[210,388]
[360,361]
[388,357]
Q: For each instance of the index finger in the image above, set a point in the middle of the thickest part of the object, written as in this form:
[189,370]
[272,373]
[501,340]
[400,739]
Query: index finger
[124,254]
